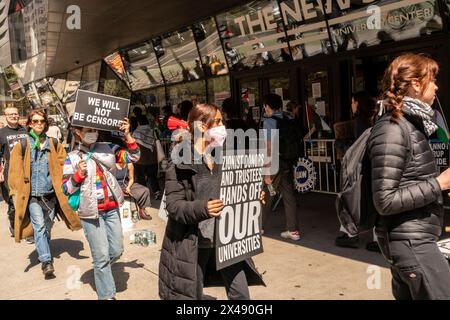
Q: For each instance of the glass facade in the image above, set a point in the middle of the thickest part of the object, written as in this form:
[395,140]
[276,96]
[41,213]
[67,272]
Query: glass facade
[141,67]
[193,91]
[115,62]
[210,47]
[388,21]
[178,57]
[90,77]
[253,35]
[218,90]
[111,84]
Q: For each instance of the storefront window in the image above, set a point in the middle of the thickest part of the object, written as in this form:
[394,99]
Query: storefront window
[280,86]
[31,69]
[72,85]
[32,95]
[178,57]
[115,62]
[90,77]
[251,107]
[307,31]
[384,22]
[35,26]
[58,83]
[154,98]
[112,85]
[48,97]
[210,47]
[193,91]
[253,35]
[219,90]
[141,67]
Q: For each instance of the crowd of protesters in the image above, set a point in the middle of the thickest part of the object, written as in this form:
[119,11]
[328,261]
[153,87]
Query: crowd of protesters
[85,183]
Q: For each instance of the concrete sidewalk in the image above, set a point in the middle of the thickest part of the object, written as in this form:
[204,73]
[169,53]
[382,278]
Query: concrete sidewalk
[312,268]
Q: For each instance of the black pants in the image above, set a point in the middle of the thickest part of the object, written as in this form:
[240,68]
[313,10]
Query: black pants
[142,195]
[147,175]
[233,276]
[285,186]
[419,270]
[11,211]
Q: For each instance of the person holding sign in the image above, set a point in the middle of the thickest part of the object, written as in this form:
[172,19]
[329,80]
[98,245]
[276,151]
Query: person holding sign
[193,204]
[35,178]
[89,173]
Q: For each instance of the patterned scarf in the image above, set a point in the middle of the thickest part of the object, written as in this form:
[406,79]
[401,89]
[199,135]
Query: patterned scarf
[422,110]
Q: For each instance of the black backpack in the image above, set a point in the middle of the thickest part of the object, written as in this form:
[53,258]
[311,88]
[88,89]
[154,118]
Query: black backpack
[290,138]
[354,204]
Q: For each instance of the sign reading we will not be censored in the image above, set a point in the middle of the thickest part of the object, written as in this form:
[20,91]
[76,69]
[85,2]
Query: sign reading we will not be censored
[238,230]
[99,111]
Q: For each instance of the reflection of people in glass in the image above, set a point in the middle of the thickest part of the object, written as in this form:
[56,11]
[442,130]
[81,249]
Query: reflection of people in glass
[207,67]
[198,68]
[149,75]
[217,67]
[384,37]
[127,64]
[262,58]
[233,55]
[347,34]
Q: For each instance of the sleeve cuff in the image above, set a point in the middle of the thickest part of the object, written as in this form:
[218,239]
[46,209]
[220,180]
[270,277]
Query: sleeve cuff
[78,177]
[132,146]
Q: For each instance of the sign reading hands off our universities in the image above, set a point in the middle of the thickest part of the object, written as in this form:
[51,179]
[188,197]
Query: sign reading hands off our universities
[99,111]
[238,230]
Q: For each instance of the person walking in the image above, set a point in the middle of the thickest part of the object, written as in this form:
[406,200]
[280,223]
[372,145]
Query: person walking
[90,170]
[35,178]
[188,245]
[9,136]
[406,184]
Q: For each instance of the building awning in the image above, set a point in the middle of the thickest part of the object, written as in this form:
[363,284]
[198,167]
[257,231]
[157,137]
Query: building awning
[107,25]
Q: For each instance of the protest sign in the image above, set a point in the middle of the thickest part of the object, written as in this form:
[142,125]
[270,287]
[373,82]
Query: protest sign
[238,230]
[99,111]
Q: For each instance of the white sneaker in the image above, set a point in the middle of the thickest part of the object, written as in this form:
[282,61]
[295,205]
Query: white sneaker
[29,240]
[293,235]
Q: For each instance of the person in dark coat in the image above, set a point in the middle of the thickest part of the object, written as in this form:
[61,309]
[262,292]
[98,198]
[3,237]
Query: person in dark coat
[187,261]
[406,185]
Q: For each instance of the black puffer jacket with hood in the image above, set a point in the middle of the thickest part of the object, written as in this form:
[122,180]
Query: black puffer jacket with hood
[405,191]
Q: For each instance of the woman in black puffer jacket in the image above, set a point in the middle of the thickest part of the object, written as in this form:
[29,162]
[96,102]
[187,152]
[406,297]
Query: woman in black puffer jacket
[406,185]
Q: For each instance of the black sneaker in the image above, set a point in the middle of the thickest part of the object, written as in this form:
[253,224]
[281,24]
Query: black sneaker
[373,246]
[48,270]
[347,242]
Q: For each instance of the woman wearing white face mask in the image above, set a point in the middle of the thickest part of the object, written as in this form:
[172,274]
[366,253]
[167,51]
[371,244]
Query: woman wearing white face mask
[90,170]
[193,191]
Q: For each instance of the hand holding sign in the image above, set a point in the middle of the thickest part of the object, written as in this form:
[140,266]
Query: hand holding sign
[125,129]
[82,167]
[215,207]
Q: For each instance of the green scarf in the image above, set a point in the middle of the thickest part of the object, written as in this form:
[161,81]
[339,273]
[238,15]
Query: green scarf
[37,140]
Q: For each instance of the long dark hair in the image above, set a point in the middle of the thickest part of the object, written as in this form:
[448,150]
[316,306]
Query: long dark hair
[366,106]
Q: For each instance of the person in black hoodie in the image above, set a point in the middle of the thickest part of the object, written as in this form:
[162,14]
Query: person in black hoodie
[9,136]
[406,185]
[187,260]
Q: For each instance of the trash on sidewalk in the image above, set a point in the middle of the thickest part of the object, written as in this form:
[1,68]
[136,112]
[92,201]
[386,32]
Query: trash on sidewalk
[143,238]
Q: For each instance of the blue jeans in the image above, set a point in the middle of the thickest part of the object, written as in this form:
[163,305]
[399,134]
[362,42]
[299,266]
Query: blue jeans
[42,213]
[106,243]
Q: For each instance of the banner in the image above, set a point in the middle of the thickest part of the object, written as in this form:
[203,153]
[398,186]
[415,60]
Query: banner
[99,111]
[238,230]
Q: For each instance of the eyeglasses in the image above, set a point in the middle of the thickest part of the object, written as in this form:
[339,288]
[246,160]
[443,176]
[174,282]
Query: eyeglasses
[12,115]
[36,121]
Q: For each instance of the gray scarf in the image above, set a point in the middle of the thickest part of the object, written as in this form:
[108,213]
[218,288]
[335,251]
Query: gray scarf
[422,110]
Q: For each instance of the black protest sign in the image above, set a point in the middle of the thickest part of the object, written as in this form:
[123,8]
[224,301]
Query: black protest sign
[99,111]
[441,154]
[238,230]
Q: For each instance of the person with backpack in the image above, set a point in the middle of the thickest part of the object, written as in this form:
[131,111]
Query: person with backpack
[405,181]
[35,178]
[363,111]
[90,183]
[290,141]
